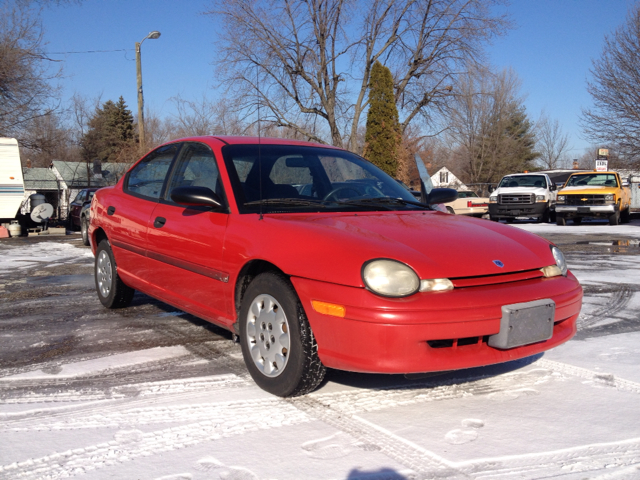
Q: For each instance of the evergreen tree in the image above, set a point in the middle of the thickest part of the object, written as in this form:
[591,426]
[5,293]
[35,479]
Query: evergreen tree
[382,137]
[110,133]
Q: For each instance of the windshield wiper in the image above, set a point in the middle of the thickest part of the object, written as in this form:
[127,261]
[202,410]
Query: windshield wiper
[290,202]
[385,201]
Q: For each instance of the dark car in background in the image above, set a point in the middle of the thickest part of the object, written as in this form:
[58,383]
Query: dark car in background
[83,199]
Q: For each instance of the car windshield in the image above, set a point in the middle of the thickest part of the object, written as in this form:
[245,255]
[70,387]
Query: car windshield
[594,179]
[533,181]
[277,178]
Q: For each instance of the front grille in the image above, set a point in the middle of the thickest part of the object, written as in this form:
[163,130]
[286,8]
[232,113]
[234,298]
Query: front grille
[584,200]
[516,199]
[462,282]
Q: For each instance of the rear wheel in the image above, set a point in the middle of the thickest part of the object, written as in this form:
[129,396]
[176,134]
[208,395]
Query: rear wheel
[451,210]
[278,345]
[112,291]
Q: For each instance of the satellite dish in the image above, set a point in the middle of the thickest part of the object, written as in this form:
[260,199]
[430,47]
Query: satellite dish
[42,213]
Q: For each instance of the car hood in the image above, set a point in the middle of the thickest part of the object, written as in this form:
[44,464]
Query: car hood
[436,245]
[601,189]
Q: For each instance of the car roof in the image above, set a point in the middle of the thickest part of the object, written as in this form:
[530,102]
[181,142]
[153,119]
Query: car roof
[242,140]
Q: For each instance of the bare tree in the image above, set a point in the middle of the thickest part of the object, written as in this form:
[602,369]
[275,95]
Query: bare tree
[308,62]
[205,117]
[552,143]
[489,130]
[615,116]
[26,91]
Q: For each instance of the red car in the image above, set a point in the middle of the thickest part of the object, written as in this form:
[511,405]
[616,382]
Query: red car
[315,258]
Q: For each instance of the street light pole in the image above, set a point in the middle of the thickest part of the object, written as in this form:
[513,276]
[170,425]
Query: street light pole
[153,35]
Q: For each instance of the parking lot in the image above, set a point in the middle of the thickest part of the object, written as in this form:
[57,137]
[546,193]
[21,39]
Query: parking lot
[152,392]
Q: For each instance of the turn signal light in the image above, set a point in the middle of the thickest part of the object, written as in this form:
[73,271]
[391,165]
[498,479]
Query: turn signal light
[329,308]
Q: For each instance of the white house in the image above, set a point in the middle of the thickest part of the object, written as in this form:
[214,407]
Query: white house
[443,178]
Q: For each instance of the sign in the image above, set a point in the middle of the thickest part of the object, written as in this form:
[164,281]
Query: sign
[602,165]
[603,153]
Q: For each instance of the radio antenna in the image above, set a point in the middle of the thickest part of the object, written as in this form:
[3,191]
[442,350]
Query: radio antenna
[259,139]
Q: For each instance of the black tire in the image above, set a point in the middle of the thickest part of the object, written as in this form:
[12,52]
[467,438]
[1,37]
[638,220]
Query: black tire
[278,369]
[112,291]
[577,220]
[85,231]
[625,215]
[552,216]
[494,219]
[615,218]
[545,217]
[451,211]
[560,220]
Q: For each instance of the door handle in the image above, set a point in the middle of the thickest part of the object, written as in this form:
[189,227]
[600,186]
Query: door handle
[111,210]
[159,222]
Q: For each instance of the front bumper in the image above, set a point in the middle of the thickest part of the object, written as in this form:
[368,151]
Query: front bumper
[497,210]
[430,331]
[596,209]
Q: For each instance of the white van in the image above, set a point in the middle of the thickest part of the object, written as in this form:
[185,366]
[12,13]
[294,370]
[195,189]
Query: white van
[11,181]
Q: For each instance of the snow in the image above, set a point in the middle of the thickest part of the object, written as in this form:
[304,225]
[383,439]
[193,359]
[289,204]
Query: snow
[571,413]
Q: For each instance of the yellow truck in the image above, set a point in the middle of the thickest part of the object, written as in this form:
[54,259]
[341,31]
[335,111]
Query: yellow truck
[593,195]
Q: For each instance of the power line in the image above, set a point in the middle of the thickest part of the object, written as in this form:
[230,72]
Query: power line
[92,51]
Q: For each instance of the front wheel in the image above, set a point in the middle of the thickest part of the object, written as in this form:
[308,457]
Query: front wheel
[85,231]
[625,215]
[277,343]
[560,220]
[112,291]
[615,218]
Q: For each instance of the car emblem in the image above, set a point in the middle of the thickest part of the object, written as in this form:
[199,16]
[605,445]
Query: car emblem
[498,263]
[584,199]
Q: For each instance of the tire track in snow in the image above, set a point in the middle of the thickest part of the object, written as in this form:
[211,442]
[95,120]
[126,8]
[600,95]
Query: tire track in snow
[597,377]
[223,420]
[618,300]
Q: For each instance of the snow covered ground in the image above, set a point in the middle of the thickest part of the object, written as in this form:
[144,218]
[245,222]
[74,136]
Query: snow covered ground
[572,413]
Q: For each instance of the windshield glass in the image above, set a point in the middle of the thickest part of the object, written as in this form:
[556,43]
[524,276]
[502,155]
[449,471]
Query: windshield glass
[594,179]
[280,178]
[533,181]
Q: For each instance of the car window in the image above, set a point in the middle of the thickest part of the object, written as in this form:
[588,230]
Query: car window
[534,181]
[147,177]
[298,177]
[595,179]
[80,197]
[467,195]
[196,167]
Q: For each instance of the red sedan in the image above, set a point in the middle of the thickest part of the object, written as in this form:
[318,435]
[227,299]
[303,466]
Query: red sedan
[315,258]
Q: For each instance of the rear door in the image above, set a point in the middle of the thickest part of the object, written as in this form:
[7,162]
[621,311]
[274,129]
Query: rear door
[185,244]
[128,212]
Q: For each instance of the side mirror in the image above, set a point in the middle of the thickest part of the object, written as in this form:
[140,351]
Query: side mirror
[196,197]
[491,188]
[441,195]
[553,187]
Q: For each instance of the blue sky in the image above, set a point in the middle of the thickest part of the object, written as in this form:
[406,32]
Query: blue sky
[550,49]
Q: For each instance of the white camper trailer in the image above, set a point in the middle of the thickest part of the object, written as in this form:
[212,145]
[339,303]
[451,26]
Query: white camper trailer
[11,181]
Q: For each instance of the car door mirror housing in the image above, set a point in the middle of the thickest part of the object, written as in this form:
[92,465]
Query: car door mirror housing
[196,197]
[441,195]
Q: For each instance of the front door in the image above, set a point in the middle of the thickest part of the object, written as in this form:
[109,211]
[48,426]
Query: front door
[185,244]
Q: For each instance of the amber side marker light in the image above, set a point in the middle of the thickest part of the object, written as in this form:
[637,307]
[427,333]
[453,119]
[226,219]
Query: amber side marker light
[329,308]
[551,271]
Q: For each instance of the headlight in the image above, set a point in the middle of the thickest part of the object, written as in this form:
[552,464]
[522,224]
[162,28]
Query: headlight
[560,199]
[390,278]
[540,198]
[561,263]
[610,198]
[493,199]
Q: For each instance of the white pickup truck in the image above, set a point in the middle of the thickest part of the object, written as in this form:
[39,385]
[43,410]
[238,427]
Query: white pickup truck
[524,196]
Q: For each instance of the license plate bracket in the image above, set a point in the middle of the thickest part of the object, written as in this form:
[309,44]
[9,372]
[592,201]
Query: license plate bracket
[524,324]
